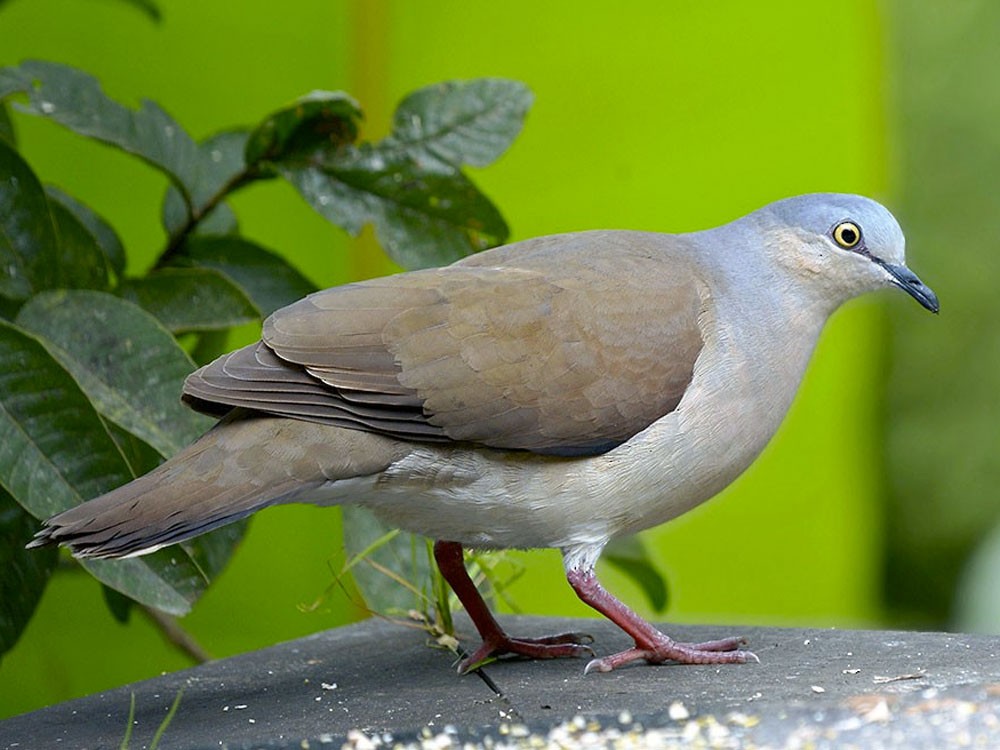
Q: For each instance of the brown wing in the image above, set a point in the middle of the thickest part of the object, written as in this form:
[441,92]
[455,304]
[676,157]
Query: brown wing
[585,342]
[254,377]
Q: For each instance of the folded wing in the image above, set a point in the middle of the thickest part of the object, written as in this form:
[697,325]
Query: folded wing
[567,355]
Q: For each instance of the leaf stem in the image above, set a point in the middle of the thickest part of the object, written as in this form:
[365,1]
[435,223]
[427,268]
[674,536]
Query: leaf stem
[197,213]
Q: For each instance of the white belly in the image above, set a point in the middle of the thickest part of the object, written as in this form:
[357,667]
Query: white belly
[498,499]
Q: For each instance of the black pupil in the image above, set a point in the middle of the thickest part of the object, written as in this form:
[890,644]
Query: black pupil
[848,235]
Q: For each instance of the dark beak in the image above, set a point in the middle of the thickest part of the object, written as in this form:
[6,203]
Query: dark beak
[906,280]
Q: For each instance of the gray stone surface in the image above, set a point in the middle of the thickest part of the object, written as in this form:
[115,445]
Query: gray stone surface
[819,688]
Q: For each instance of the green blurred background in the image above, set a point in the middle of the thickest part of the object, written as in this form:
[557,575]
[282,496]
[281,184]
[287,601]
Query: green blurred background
[879,489]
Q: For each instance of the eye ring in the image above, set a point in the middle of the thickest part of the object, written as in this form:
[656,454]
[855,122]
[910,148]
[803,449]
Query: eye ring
[847,234]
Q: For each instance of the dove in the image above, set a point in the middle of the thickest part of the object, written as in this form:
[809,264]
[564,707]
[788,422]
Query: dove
[558,392]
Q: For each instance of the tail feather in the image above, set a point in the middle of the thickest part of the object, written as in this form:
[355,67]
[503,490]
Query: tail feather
[136,519]
[237,468]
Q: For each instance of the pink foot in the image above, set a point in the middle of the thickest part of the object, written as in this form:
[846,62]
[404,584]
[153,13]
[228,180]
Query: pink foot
[650,644]
[725,651]
[546,647]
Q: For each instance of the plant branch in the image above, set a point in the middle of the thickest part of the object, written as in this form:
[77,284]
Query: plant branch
[175,634]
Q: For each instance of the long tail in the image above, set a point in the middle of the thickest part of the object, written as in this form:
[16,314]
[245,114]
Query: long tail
[233,470]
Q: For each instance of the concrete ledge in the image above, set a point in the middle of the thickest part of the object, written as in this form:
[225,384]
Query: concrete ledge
[813,688]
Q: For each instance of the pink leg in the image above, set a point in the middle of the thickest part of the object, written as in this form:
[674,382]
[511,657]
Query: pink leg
[495,641]
[650,643]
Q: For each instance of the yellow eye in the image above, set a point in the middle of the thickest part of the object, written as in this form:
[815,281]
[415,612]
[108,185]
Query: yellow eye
[847,234]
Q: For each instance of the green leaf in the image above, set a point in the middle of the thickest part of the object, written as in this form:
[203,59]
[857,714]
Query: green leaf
[630,557]
[119,605]
[141,579]
[425,211]
[6,126]
[173,578]
[55,452]
[191,299]
[81,263]
[319,121]
[422,217]
[470,122]
[104,234]
[376,549]
[209,346]
[266,278]
[211,552]
[220,170]
[8,308]
[23,573]
[75,100]
[11,81]
[127,364]
[140,455]
[28,241]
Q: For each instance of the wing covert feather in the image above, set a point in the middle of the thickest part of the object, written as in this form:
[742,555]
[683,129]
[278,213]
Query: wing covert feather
[569,347]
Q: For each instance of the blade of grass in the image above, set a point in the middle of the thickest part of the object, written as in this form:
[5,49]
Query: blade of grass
[166,721]
[350,563]
[441,592]
[131,722]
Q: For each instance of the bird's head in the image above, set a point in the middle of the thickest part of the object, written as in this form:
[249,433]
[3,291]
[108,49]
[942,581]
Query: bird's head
[845,244]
